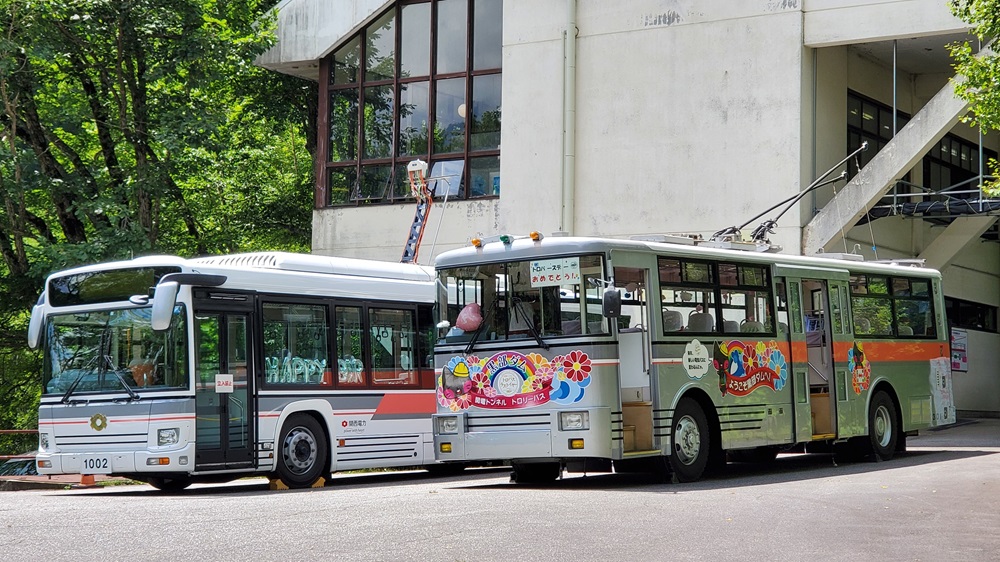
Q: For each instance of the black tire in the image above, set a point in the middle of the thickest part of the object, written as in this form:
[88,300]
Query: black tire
[883,426]
[303,452]
[690,441]
[535,473]
[760,455]
[169,484]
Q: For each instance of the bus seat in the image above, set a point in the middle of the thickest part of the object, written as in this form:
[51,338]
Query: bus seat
[701,322]
[730,326]
[752,326]
[782,328]
[905,331]
[673,321]
[862,325]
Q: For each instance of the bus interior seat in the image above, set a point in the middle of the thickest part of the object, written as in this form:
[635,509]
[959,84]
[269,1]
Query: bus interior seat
[701,322]
[673,321]
[752,326]
[862,325]
[905,331]
[730,326]
[782,328]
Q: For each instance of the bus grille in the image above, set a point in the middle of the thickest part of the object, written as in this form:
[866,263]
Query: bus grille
[506,422]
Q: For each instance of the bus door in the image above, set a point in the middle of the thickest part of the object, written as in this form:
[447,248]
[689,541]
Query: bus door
[634,352]
[815,328]
[225,403]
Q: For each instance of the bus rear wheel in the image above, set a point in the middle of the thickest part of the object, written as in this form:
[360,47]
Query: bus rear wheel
[690,441]
[883,426]
[303,451]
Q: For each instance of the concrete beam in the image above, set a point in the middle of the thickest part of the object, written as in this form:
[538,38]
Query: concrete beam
[957,236]
[828,23]
[927,127]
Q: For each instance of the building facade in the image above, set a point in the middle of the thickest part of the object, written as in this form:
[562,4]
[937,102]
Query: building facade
[656,116]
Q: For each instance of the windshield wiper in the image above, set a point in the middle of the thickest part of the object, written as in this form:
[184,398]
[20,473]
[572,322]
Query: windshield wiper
[482,326]
[72,386]
[530,324]
[131,393]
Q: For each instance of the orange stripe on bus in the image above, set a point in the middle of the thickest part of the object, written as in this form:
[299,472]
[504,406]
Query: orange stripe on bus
[894,351]
[407,403]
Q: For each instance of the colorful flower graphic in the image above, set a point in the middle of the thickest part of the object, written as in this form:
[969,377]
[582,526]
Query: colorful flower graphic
[480,381]
[743,368]
[576,365]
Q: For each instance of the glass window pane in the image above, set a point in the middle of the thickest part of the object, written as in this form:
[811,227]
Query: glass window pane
[393,347]
[340,184]
[449,117]
[853,112]
[872,316]
[450,178]
[381,48]
[295,343]
[727,274]
[413,108]
[485,176]
[350,361]
[378,121]
[487,34]
[452,37]
[697,273]
[869,118]
[375,182]
[415,46]
[343,125]
[485,126]
[346,61]
[885,123]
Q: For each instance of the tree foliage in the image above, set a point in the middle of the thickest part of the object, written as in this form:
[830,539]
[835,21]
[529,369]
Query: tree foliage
[134,127]
[981,70]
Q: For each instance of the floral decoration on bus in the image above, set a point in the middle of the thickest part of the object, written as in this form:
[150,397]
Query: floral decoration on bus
[861,370]
[745,367]
[510,380]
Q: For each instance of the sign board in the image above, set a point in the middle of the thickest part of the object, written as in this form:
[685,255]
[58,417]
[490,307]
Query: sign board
[223,384]
[959,350]
[549,273]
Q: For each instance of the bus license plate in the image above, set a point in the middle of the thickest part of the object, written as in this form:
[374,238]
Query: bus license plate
[95,464]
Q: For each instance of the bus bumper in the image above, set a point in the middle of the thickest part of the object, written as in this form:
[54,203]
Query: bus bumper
[557,434]
[117,462]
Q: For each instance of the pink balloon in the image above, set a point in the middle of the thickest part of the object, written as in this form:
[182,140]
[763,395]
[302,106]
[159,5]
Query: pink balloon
[470,318]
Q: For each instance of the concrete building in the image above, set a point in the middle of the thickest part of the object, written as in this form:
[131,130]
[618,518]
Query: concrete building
[654,116]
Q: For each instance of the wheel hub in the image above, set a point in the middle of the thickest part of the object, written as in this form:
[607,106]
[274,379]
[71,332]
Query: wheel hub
[300,450]
[687,440]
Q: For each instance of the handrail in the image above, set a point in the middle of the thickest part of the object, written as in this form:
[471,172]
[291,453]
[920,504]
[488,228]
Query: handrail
[11,432]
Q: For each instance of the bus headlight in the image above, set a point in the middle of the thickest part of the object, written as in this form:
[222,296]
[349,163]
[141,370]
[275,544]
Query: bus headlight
[571,421]
[447,425]
[168,436]
[43,442]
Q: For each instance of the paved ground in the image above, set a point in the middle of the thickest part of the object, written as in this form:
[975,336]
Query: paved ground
[967,433]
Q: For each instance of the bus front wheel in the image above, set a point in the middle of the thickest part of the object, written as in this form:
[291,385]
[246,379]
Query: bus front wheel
[690,441]
[535,473]
[169,484]
[303,451]
[883,426]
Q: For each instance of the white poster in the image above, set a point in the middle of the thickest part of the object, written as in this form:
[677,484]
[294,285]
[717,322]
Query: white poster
[944,400]
[548,273]
[959,350]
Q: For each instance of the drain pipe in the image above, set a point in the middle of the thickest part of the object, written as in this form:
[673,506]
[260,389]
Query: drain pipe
[566,225]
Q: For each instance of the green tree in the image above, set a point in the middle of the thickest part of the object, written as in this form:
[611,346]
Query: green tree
[133,127]
[981,71]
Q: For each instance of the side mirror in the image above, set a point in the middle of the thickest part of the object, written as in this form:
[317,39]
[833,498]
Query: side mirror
[163,305]
[35,326]
[612,303]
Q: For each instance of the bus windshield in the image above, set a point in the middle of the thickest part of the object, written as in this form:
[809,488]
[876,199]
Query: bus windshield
[550,297]
[113,351]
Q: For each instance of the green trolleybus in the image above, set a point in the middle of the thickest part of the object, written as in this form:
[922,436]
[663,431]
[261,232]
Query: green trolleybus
[592,354]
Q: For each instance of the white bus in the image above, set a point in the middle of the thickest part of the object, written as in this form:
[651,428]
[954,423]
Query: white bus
[597,355]
[173,371]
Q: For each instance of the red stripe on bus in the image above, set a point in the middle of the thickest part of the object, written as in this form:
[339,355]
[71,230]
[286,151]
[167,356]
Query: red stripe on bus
[407,403]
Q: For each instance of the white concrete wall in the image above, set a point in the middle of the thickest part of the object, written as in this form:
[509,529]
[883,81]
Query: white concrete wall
[843,22]
[979,389]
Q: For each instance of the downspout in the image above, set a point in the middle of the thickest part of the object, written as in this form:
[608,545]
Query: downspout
[566,225]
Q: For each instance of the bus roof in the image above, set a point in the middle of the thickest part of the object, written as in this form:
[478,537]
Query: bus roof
[525,249]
